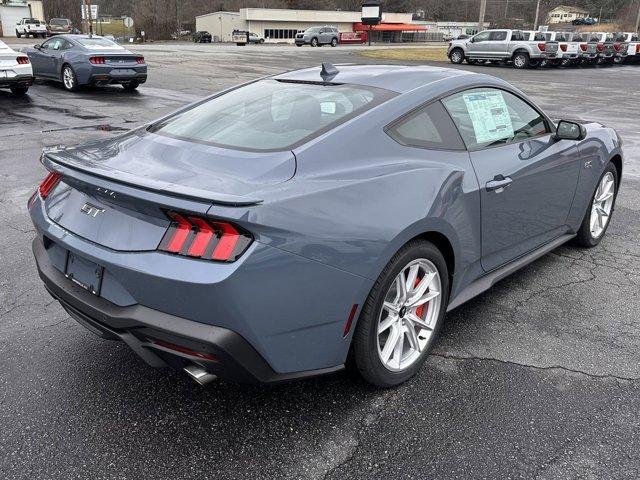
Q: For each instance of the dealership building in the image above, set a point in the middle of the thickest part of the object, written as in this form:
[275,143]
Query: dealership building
[281,25]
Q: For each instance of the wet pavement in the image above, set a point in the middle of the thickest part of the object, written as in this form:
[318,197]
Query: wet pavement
[537,378]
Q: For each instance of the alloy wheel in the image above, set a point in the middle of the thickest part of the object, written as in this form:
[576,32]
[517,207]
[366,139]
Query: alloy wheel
[456,56]
[519,61]
[602,205]
[409,314]
[68,78]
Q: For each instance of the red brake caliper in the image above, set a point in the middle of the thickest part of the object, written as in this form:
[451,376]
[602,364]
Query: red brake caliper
[421,310]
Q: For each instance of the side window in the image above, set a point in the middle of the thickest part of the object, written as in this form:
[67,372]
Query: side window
[517,36]
[489,116]
[48,44]
[498,36]
[481,37]
[428,127]
[539,37]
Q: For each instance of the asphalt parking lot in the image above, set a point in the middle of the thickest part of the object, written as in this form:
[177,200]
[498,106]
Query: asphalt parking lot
[537,378]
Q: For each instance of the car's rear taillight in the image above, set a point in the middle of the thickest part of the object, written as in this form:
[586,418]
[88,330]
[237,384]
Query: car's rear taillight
[97,60]
[541,47]
[600,47]
[139,59]
[48,184]
[563,47]
[22,60]
[616,46]
[204,238]
[638,48]
[583,47]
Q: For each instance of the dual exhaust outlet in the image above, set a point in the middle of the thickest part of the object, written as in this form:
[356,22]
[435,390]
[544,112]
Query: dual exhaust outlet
[199,374]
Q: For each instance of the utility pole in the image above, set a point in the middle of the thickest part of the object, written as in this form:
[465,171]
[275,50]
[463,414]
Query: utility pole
[86,17]
[179,18]
[506,8]
[483,7]
[535,22]
[638,19]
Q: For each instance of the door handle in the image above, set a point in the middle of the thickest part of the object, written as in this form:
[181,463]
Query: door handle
[498,184]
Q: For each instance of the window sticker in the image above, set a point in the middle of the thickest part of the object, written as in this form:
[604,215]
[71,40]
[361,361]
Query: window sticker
[489,115]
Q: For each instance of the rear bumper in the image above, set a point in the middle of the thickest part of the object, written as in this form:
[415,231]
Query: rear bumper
[148,332]
[107,78]
[18,80]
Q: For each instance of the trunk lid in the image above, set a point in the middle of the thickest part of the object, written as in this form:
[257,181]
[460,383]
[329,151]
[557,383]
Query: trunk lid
[114,192]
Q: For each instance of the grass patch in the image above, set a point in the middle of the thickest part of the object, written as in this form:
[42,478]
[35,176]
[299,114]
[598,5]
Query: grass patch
[434,54]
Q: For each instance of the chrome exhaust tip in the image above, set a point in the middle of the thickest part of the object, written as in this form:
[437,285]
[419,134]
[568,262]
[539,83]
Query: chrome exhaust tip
[199,374]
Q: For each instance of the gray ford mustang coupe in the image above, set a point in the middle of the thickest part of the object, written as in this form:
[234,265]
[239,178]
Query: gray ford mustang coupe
[77,60]
[274,230]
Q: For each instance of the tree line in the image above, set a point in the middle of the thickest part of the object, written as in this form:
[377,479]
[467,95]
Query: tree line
[160,18]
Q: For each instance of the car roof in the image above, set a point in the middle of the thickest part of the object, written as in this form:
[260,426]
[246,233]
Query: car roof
[398,78]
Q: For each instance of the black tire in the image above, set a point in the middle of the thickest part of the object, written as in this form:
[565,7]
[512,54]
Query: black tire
[456,56]
[314,42]
[73,86]
[334,42]
[584,238]
[19,89]
[298,44]
[520,60]
[261,41]
[365,338]
[18,34]
[130,86]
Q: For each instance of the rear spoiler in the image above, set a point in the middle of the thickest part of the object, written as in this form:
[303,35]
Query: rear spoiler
[113,179]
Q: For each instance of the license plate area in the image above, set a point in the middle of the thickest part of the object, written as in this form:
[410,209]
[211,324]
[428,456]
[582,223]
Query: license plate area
[84,272]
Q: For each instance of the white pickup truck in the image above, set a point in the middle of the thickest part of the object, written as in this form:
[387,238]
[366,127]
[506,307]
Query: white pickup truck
[31,26]
[502,45]
[633,49]
[568,51]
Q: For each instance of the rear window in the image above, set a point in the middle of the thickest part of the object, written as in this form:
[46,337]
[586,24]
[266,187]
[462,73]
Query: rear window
[271,115]
[59,21]
[31,21]
[97,42]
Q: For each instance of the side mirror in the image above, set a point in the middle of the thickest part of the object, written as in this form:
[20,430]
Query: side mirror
[471,40]
[37,46]
[567,130]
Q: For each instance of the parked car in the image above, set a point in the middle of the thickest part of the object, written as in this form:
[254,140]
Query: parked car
[16,73]
[447,37]
[632,39]
[287,226]
[539,37]
[58,26]
[584,21]
[318,36]
[502,45]
[31,27]
[588,47]
[606,47]
[202,37]
[568,51]
[255,38]
[78,60]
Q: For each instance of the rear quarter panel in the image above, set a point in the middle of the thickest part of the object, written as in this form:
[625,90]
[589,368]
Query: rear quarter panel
[358,197]
[596,151]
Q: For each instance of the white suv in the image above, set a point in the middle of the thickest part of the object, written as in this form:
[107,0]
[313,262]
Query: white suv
[15,70]
[31,26]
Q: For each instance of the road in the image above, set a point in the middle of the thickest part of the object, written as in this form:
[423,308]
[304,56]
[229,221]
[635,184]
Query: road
[537,378]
